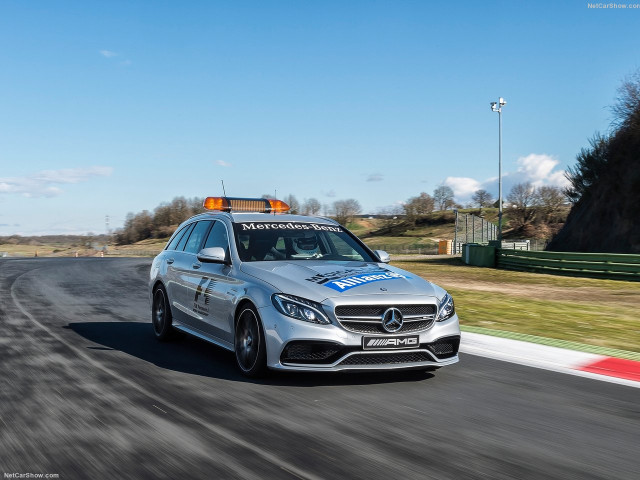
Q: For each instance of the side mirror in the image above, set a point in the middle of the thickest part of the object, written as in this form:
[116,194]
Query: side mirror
[383,256]
[213,255]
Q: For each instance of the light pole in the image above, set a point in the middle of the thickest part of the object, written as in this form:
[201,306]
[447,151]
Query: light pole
[497,107]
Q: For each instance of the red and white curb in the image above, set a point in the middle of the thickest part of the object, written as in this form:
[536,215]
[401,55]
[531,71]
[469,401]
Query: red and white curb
[598,367]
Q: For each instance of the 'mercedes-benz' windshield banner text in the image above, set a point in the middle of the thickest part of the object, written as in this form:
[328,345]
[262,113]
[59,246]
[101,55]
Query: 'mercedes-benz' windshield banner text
[244,227]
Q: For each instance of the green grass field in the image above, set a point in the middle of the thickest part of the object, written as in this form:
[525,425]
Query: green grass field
[598,313]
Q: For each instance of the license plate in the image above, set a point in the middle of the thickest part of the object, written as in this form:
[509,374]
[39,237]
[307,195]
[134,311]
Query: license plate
[390,343]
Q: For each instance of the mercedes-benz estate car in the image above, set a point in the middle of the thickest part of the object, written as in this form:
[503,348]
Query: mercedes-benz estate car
[293,292]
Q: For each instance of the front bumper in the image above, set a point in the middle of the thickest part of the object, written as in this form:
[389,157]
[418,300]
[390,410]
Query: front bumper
[331,348]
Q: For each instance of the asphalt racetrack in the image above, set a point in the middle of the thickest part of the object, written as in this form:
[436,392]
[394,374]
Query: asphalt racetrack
[87,392]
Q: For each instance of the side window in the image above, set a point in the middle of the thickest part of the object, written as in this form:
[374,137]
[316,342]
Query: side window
[218,237]
[196,237]
[185,237]
[176,239]
[343,248]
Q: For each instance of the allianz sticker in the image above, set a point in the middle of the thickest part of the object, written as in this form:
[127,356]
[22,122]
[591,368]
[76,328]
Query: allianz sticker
[347,282]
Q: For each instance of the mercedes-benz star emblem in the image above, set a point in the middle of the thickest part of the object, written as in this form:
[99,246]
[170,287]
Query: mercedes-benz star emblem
[392,320]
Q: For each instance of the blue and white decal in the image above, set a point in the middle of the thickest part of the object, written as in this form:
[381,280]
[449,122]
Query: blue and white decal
[347,283]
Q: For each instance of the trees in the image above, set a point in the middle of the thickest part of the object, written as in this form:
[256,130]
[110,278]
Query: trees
[550,201]
[443,197]
[522,198]
[482,198]
[311,206]
[294,204]
[592,163]
[345,210]
[420,205]
[165,218]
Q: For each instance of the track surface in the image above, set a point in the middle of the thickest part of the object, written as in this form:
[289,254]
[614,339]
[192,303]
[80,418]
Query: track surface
[87,392]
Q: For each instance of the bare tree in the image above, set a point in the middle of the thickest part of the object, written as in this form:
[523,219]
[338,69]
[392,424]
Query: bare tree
[345,210]
[417,206]
[180,210]
[294,204]
[482,198]
[311,207]
[550,200]
[443,197]
[522,198]
[627,108]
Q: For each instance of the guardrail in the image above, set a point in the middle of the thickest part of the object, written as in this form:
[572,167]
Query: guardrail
[594,265]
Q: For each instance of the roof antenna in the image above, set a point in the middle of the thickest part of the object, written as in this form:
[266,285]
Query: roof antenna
[223,191]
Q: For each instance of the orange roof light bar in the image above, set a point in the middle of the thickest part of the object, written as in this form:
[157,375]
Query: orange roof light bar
[261,205]
[216,203]
[278,206]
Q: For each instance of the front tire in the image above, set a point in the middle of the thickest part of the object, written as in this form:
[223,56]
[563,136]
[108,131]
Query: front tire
[250,348]
[161,317]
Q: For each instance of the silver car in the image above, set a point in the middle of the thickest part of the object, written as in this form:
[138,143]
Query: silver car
[291,292]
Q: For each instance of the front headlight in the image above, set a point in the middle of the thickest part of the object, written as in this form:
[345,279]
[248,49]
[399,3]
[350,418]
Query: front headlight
[299,308]
[446,309]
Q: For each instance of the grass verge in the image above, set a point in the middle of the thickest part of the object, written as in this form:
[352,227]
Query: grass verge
[587,314]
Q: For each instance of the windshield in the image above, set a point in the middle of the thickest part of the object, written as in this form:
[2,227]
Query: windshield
[272,241]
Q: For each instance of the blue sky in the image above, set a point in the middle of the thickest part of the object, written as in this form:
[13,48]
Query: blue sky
[114,107]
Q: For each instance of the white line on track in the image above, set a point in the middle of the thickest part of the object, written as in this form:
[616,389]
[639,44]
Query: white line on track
[214,429]
[536,355]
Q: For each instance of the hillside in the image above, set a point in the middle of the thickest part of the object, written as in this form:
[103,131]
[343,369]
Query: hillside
[606,184]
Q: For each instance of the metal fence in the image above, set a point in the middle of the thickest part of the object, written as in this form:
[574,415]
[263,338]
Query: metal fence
[472,229]
[411,250]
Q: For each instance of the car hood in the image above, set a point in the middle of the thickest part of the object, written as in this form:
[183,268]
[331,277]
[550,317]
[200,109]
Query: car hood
[319,280]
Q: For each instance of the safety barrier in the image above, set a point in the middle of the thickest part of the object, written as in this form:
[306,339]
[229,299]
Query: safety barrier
[594,265]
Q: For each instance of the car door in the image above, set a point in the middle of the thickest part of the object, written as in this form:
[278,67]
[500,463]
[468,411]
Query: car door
[172,277]
[187,277]
[216,289]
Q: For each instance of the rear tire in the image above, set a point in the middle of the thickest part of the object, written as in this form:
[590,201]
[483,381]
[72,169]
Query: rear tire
[250,348]
[161,318]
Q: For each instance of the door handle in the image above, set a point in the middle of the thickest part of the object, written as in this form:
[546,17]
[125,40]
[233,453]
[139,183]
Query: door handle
[196,265]
[170,260]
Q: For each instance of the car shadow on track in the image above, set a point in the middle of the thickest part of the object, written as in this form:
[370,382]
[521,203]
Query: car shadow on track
[197,357]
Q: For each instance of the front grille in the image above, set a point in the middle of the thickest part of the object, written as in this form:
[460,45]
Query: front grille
[446,347]
[368,318]
[386,358]
[378,310]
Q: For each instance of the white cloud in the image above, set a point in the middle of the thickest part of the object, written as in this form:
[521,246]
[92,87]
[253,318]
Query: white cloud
[462,186]
[43,183]
[330,193]
[535,168]
[375,177]
[222,163]
[108,53]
